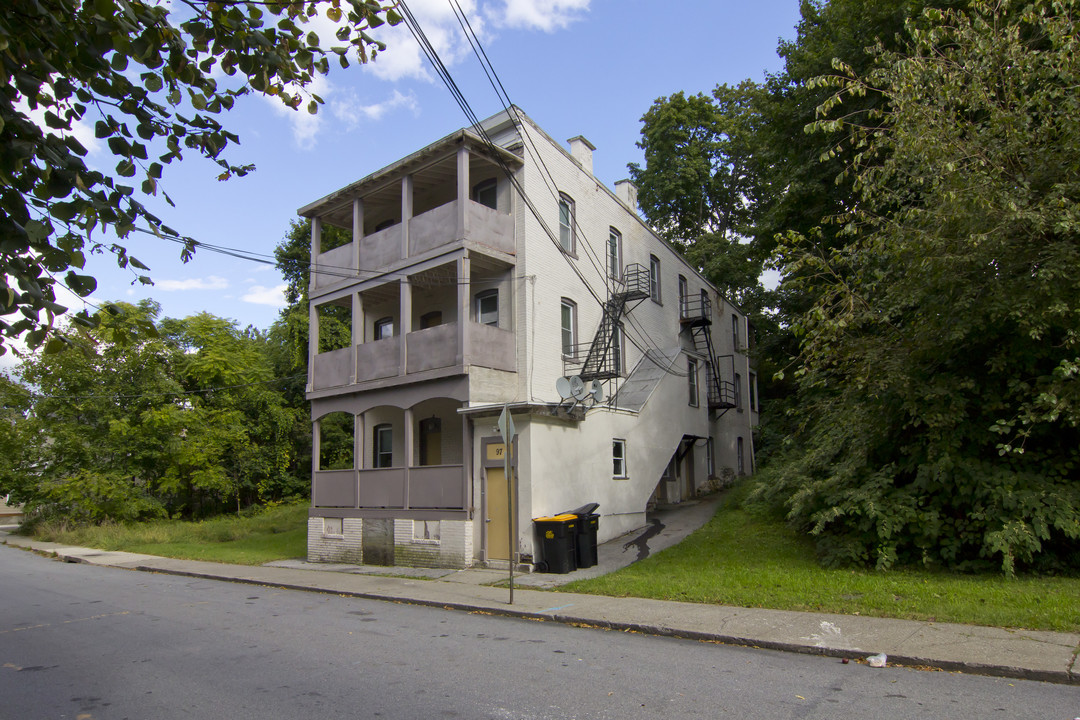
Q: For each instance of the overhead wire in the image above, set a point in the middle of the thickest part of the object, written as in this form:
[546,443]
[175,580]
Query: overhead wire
[600,266]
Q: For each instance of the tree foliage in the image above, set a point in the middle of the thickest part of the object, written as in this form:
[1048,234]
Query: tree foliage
[699,183]
[162,418]
[940,356]
[152,79]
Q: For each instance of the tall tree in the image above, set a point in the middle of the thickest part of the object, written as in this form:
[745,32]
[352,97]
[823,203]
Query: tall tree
[699,183]
[941,355]
[152,78]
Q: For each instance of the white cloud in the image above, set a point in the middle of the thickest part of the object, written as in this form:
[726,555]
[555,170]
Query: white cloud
[351,111]
[403,57]
[211,282]
[546,15]
[259,295]
[305,126]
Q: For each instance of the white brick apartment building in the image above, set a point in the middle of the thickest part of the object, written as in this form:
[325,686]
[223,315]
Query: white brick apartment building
[463,299]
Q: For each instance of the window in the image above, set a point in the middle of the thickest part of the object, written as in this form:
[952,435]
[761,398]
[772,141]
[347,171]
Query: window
[569,327]
[431,319]
[753,392]
[485,192]
[487,308]
[614,254]
[654,278]
[384,328]
[684,298]
[691,374]
[618,458]
[739,456]
[738,391]
[383,446]
[710,457]
[735,331]
[566,223]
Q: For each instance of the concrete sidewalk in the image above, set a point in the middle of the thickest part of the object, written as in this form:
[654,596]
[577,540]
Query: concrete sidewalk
[1027,654]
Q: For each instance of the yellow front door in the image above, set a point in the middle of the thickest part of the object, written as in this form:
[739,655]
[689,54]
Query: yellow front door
[498,524]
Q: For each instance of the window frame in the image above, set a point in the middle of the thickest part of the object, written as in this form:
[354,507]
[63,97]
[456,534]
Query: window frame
[427,318]
[568,350]
[655,289]
[741,463]
[692,382]
[379,454]
[619,467]
[735,332]
[483,186]
[684,297]
[479,299]
[614,255]
[752,388]
[382,322]
[567,228]
[738,392]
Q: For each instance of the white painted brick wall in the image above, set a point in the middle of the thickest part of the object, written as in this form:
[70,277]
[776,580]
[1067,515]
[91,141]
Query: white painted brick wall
[346,548]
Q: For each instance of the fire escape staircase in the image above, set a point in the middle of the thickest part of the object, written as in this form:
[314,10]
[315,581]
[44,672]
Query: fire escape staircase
[695,317]
[603,360]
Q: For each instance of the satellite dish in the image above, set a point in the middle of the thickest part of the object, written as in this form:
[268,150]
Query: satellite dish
[562,386]
[577,387]
[597,391]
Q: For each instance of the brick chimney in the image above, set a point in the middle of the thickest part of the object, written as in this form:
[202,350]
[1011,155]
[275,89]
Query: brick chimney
[627,192]
[582,150]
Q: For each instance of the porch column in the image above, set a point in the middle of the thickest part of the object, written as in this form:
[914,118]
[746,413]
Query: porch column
[357,331]
[357,232]
[462,189]
[406,212]
[316,250]
[409,460]
[313,343]
[467,463]
[405,322]
[316,450]
[464,293]
[359,461]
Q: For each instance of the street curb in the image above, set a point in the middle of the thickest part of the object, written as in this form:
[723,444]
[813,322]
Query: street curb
[991,670]
[1066,677]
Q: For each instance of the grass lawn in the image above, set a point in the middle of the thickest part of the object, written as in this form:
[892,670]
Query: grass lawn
[275,534]
[741,559]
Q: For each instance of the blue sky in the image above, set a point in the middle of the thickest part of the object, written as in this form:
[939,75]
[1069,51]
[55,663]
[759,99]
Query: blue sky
[577,67]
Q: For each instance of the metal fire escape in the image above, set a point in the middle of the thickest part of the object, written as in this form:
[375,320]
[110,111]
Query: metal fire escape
[695,315]
[603,360]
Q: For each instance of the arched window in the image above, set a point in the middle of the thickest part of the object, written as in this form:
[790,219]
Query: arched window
[384,328]
[614,254]
[566,223]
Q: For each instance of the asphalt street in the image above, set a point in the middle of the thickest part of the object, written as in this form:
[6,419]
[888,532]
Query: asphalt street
[93,643]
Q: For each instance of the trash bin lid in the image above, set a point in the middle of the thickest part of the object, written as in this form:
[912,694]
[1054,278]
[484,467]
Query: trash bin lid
[586,509]
[564,517]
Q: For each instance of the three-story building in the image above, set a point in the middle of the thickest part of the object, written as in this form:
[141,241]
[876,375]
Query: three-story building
[492,270]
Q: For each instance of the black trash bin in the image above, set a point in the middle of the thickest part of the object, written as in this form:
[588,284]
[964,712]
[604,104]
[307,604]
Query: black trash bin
[587,526]
[558,548]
